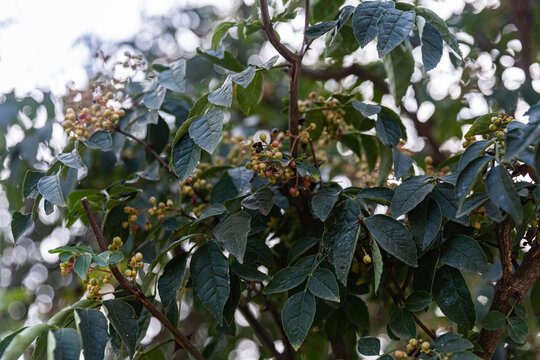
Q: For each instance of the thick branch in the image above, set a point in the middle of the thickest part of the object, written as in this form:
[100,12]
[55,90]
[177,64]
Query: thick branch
[511,286]
[505,247]
[271,35]
[179,337]
[260,331]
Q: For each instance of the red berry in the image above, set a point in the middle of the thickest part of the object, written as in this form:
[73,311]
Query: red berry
[292,191]
[275,143]
[193,201]
[292,164]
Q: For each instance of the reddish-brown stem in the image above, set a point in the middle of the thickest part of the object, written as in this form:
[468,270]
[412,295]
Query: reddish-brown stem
[178,335]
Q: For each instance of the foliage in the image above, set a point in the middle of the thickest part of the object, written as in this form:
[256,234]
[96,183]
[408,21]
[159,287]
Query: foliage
[195,215]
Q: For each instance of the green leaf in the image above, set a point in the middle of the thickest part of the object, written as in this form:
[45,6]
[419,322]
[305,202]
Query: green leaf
[464,253]
[21,340]
[185,157]
[340,232]
[262,200]
[72,159]
[393,237]
[378,194]
[169,283]
[377,263]
[367,109]
[517,329]
[371,150]
[472,152]
[402,324]
[425,222]
[210,274]
[445,196]
[154,98]
[222,58]
[100,140]
[471,203]
[206,130]
[365,20]
[402,163]
[322,283]
[285,279]
[67,344]
[219,32]
[424,274]
[241,178]
[251,95]
[92,327]
[245,77]
[388,130]
[30,181]
[352,141]
[300,246]
[494,320]
[198,109]
[502,192]
[399,67]
[409,194]
[222,96]
[19,224]
[50,188]
[122,317]
[297,317]
[248,273]
[418,301]
[320,29]
[174,78]
[453,297]
[342,18]
[213,210]
[480,125]
[82,264]
[232,233]
[470,175]
[432,46]
[323,201]
[393,28]
[439,24]
[464,355]
[369,346]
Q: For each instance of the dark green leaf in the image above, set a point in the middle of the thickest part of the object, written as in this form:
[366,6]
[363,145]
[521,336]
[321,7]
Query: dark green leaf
[377,263]
[480,126]
[432,46]
[367,109]
[67,344]
[425,272]
[517,329]
[402,163]
[151,173]
[185,157]
[502,192]
[320,29]
[300,247]
[100,140]
[122,317]
[366,17]
[297,317]
[19,224]
[248,273]
[222,58]
[393,237]
[72,159]
[30,181]
[250,96]
[352,141]
[464,355]
[409,194]
[470,175]
[388,130]
[402,324]
[262,200]
[232,233]
[399,67]
[494,320]
[154,98]
[418,301]
[14,345]
[381,195]
[285,279]
[425,222]
[245,77]
[210,275]
[323,201]
[169,283]
[445,196]
[455,345]
[471,203]
[174,78]
[92,327]
[453,297]
[369,346]
[241,178]
[441,26]
[472,152]
[322,283]
[464,253]
[213,210]
[206,130]
[392,29]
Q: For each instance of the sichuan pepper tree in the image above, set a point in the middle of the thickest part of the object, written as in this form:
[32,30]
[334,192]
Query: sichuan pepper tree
[231,224]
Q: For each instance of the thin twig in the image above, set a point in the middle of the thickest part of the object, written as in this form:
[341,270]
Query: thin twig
[147,146]
[261,332]
[305,45]
[317,165]
[178,335]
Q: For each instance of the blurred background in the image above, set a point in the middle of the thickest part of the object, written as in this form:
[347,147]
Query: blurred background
[49,48]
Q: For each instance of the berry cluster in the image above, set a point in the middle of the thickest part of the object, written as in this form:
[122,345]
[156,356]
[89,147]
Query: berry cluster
[499,122]
[136,262]
[414,348]
[332,111]
[67,267]
[93,288]
[132,61]
[117,243]
[268,162]
[100,116]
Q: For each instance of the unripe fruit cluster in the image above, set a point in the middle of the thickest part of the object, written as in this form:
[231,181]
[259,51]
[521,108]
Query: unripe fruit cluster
[66,268]
[116,244]
[93,288]
[267,161]
[499,122]
[412,346]
[100,116]
[335,125]
[136,262]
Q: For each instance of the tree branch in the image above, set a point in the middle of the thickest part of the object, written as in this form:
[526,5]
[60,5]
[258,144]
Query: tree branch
[147,146]
[261,332]
[179,336]
[271,35]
